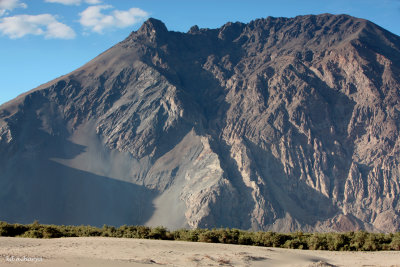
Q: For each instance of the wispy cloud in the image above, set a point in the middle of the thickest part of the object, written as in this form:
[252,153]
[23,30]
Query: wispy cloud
[74,2]
[8,5]
[44,24]
[95,20]
[93,2]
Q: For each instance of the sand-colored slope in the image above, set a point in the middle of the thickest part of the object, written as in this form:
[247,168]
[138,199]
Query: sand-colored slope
[98,251]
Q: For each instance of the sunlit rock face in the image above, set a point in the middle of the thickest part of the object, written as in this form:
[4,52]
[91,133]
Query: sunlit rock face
[280,124]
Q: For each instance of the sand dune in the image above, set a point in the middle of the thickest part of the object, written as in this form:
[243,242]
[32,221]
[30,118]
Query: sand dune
[98,251]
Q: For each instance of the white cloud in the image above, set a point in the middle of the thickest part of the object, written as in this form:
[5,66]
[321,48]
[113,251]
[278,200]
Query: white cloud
[93,18]
[65,2]
[44,24]
[6,5]
[74,2]
[93,2]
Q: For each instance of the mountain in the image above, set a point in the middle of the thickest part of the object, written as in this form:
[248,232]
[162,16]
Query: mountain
[280,124]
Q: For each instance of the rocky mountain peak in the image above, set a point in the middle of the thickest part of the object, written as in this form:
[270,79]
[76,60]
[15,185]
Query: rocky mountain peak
[153,25]
[152,30]
[194,29]
[230,31]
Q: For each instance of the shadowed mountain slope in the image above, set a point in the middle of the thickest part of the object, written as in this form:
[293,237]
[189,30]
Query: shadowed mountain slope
[280,124]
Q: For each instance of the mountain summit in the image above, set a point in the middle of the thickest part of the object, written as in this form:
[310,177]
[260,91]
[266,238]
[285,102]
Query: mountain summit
[280,124]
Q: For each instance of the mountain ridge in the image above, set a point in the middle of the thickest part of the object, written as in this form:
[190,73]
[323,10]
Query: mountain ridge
[280,124]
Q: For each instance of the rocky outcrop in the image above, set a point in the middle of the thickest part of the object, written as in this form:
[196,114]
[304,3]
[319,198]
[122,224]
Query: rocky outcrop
[280,124]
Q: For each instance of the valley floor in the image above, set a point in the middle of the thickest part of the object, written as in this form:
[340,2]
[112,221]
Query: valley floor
[119,252]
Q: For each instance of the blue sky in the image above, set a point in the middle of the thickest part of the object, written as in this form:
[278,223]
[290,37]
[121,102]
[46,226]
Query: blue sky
[41,40]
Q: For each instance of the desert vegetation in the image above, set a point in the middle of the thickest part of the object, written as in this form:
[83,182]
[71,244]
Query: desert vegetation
[348,241]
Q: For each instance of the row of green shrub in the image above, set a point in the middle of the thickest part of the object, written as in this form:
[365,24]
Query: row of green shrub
[350,241]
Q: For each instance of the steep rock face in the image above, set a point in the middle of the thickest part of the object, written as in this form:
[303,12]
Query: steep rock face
[280,124]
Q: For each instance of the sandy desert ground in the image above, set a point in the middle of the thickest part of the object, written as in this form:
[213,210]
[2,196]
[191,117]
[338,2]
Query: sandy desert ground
[119,252]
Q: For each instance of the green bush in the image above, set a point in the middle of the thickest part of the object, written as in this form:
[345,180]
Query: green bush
[263,239]
[358,240]
[159,233]
[318,241]
[395,242]
[278,240]
[51,232]
[338,241]
[245,238]
[186,235]
[32,233]
[295,244]
[209,237]
[228,236]
[12,229]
